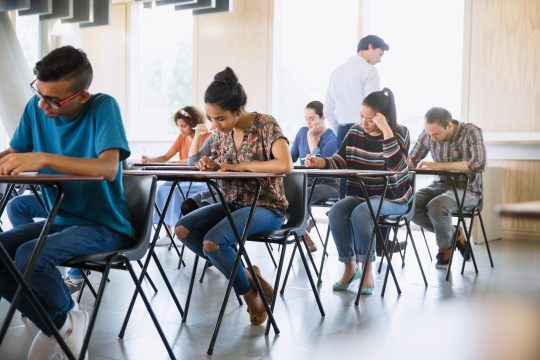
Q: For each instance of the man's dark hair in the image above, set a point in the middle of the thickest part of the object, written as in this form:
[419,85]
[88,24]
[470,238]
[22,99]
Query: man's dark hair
[66,63]
[225,91]
[375,41]
[438,115]
[317,106]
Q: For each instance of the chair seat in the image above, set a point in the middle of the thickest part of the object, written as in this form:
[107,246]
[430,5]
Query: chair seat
[467,211]
[273,236]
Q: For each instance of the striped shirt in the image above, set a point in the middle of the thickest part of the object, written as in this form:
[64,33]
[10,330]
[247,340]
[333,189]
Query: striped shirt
[466,145]
[362,151]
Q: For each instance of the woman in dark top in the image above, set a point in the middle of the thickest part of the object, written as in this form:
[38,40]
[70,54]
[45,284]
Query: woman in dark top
[377,142]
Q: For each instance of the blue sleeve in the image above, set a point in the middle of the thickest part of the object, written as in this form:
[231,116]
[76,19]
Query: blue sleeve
[205,150]
[328,144]
[110,133]
[22,140]
[295,151]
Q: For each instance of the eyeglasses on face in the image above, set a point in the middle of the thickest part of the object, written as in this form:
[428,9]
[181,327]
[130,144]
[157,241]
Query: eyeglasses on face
[56,104]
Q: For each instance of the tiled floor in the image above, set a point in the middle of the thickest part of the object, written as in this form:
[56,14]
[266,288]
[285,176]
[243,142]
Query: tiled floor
[492,315]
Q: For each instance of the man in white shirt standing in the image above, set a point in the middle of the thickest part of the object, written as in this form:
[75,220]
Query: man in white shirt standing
[351,82]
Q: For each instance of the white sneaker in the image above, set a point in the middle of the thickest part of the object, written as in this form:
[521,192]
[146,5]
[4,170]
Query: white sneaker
[163,241]
[42,348]
[27,322]
[75,335]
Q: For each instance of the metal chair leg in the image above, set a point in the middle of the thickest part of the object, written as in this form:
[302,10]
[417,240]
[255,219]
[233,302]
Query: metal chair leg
[149,309]
[319,281]
[407,224]
[427,246]
[288,270]
[485,237]
[271,255]
[308,272]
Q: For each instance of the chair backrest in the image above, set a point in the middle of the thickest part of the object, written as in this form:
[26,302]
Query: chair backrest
[295,185]
[140,192]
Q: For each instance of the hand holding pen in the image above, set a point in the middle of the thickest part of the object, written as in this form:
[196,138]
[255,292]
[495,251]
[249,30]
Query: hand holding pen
[314,162]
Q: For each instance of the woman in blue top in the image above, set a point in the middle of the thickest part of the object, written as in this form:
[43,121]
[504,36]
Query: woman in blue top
[315,139]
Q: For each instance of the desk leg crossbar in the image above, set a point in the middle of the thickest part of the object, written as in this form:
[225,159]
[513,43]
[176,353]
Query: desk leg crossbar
[241,252]
[375,234]
[461,220]
[151,255]
[22,279]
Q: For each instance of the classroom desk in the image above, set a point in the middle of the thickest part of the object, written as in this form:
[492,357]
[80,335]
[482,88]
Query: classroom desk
[44,180]
[525,210]
[452,175]
[175,167]
[169,167]
[360,175]
[210,177]
[165,163]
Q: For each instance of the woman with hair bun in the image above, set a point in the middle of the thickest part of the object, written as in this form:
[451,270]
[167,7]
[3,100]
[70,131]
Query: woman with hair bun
[244,141]
[377,142]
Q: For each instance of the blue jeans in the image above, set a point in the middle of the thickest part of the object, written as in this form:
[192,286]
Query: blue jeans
[63,243]
[210,223]
[351,226]
[23,209]
[174,210]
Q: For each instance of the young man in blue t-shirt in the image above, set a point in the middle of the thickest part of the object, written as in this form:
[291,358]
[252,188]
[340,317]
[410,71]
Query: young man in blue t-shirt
[65,129]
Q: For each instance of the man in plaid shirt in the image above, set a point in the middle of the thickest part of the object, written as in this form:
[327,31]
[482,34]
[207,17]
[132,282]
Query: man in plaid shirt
[453,146]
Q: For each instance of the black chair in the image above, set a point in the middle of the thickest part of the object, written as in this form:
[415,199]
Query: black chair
[295,186]
[470,212]
[140,194]
[394,222]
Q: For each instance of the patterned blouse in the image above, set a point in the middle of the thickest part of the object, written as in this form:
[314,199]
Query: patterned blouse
[256,146]
[466,145]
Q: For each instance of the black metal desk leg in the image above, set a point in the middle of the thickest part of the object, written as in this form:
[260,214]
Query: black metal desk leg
[241,251]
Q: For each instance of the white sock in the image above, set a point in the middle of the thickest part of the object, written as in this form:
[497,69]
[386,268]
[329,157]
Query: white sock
[42,348]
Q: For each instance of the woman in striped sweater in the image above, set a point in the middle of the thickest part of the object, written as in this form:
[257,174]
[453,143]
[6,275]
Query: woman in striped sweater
[377,142]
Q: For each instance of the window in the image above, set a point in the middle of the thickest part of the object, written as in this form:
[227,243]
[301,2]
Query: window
[312,38]
[27,31]
[162,73]
[424,65]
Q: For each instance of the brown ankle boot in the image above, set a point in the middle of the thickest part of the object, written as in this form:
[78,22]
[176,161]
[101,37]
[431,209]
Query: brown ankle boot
[443,258]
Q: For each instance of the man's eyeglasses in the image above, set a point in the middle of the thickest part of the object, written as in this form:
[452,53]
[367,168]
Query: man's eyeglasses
[53,103]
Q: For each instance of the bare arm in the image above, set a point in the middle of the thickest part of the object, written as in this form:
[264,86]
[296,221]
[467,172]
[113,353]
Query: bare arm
[456,165]
[196,143]
[105,165]
[163,158]
[7,151]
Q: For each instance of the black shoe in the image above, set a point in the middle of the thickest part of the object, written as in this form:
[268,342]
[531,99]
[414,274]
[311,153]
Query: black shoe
[443,258]
[188,206]
[441,264]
